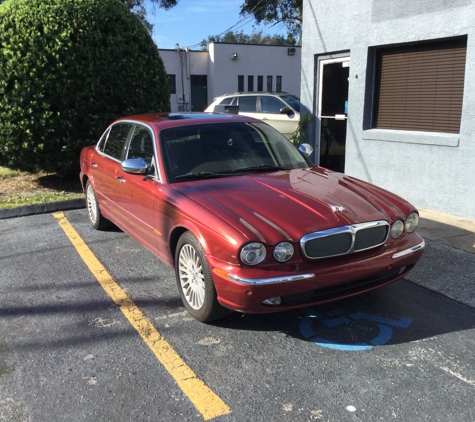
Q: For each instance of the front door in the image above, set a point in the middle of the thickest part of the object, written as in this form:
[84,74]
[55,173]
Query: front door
[199,92]
[333,111]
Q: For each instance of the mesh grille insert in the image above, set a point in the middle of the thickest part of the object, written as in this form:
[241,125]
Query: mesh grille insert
[368,238]
[337,244]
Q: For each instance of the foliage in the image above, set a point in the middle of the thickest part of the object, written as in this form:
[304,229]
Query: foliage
[138,8]
[67,69]
[288,12]
[255,38]
[301,132]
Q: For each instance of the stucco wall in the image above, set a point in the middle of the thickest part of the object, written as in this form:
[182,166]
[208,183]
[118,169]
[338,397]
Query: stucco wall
[431,170]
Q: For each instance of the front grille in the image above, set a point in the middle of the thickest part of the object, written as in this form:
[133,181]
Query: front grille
[338,244]
[368,238]
[345,239]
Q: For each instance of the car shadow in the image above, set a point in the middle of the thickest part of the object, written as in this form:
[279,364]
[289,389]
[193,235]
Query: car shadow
[399,313]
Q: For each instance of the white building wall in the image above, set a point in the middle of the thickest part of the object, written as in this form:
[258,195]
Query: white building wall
[222,72]
[431,170]
[255,60]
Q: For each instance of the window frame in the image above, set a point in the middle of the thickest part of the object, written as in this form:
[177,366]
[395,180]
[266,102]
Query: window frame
[172,83]
[419,87]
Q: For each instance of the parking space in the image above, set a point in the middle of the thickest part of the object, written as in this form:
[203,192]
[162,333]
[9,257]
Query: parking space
[68,352]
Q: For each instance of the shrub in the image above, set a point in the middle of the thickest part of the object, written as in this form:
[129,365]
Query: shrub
[67,69]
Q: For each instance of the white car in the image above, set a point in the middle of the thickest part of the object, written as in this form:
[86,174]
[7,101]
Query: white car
[280,110]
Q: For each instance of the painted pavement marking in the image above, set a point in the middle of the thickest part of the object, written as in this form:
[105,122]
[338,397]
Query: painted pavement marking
[203,398]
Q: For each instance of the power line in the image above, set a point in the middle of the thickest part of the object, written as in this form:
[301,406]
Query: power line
[244,20]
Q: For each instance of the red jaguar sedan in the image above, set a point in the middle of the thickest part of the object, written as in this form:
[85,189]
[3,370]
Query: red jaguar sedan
[246,220]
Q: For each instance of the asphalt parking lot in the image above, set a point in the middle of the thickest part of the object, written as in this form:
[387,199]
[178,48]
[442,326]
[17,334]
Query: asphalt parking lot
[69,352]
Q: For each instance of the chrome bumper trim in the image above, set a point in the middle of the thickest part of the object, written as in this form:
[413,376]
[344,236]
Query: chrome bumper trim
[272,280]
[410,250]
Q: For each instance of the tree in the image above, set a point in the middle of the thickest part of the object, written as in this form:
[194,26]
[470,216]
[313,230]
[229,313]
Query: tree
[288,12]
[137,8]
[255,38]
[67,69]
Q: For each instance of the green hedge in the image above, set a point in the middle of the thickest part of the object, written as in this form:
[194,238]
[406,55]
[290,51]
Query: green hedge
[67,69]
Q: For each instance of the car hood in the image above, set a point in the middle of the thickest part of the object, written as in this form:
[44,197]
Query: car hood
[286,205]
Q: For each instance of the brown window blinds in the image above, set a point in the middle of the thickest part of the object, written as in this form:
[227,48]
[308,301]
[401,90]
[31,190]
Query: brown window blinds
[421,87]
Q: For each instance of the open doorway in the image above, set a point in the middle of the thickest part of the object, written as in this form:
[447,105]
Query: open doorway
[333,111]
[199,92]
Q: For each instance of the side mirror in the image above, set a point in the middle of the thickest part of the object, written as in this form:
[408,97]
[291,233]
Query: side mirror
[286,110]
[306,149]
[134,166]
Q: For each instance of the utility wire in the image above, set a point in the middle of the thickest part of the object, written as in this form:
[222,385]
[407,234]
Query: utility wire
[241,22]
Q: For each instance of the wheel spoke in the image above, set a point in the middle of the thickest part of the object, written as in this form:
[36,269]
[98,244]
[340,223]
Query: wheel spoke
[91,204]
[192,276]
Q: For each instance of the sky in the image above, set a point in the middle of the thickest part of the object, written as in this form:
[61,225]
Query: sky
[191,21]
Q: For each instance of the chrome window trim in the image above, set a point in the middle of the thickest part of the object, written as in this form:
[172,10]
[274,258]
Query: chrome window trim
[352,229]
[271,280]
[158,177]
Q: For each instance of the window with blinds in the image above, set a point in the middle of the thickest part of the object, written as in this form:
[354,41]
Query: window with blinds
[420,87]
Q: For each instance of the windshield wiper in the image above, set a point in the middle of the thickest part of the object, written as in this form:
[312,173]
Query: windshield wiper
[203,174]
[262,167]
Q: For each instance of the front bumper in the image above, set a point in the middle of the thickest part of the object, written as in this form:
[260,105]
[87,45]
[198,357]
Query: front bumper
[245,289]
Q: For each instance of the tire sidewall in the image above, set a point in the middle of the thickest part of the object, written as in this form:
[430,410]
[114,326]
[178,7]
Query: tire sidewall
[94,224]
[210,299]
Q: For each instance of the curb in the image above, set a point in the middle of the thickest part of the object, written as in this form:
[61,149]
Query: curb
[49,207]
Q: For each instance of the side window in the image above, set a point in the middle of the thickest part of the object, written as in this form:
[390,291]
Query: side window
[115,143]
[141,145]
[271,105]
[247,104]
[227,101]
[101,144]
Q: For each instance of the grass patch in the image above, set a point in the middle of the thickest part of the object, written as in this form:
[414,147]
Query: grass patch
[6,173]
[19,188]
[19,200]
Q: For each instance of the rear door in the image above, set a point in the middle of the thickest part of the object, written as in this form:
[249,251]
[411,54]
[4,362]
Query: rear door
[105,163]
[248,106]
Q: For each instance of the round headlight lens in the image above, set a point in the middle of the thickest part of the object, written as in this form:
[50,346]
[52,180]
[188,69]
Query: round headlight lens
[411,222]
[253,253]
[397,229]
[283,252]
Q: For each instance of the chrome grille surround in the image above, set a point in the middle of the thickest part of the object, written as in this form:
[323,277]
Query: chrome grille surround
[344,240]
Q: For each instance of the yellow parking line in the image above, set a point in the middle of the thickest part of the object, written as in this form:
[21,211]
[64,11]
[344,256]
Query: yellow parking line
[207,402]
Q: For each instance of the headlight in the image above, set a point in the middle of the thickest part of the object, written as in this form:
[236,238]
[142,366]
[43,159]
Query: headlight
[411,222]
[397,229]
[253,253]
[283,252]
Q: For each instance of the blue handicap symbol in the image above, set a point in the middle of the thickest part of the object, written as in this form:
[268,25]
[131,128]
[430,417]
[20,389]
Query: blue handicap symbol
[336,317]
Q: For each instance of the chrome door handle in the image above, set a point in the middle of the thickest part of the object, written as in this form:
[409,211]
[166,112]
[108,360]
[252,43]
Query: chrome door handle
[120,179]
[94,165]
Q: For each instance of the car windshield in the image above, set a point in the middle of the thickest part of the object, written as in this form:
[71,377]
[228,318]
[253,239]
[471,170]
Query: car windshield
[292,101]
[226,149]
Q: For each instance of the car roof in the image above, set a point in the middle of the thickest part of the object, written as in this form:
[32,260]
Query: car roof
[169,119]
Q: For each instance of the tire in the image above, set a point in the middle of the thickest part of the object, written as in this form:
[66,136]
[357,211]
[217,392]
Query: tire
[194,281]
[94,215]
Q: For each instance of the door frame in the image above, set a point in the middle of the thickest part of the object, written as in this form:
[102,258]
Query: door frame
[320,61]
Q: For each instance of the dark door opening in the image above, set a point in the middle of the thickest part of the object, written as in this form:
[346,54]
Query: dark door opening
[333,111]
[199,92]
